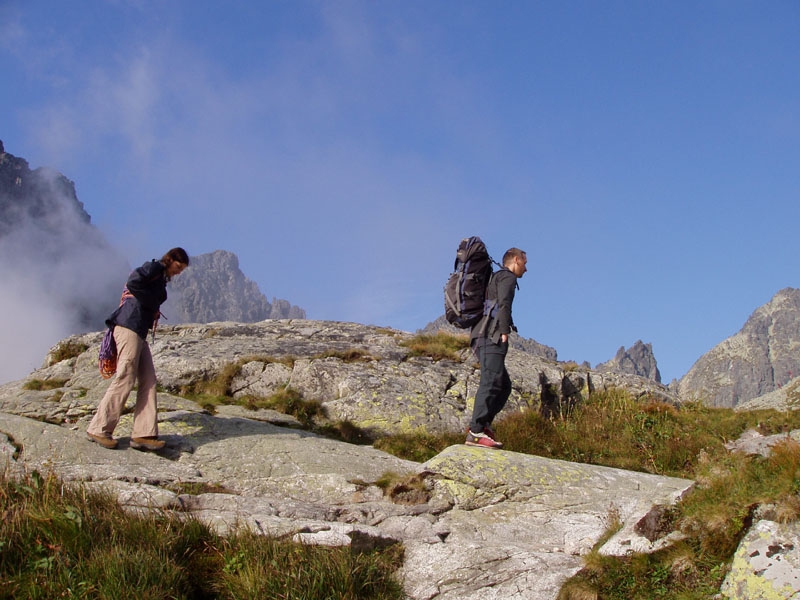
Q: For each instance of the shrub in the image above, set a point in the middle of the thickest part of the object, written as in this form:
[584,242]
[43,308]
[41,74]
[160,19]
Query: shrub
[346,431]
[195,488]
[404,490]
[614,429]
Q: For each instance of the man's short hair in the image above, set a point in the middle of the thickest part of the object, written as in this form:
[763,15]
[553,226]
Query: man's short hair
[511,253]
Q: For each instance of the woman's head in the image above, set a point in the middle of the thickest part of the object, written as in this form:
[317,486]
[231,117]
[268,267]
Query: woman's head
[176,260]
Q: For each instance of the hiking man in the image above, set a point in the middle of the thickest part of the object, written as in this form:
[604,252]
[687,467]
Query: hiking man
[489,340]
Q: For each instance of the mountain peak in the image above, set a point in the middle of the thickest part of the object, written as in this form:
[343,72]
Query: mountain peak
[636,360]
[214,288]
[759,359]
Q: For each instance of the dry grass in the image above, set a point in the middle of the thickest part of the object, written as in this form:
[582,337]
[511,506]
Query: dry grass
[44,384]
[67,350]
[439,346]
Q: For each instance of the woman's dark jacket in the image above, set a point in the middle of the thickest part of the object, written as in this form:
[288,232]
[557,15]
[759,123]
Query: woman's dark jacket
[148,284]
[500,296]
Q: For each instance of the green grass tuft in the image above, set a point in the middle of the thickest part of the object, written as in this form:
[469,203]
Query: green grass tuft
[348,356]
[62,541]
[418,446]
[287,401]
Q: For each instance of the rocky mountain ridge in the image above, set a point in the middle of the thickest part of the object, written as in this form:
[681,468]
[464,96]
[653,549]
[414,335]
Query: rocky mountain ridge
[213,289]
[637,360]
[35,195]
[359,373]
[761,358]
[47,231]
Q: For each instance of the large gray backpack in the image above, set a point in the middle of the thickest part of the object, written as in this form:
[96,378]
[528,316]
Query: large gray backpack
[465,290]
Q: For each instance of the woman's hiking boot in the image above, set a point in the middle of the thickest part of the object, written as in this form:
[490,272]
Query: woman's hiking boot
[106,441]
[147,443]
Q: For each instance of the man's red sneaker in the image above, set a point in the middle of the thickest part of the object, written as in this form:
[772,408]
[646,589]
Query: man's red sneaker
[490,432]
[481,439]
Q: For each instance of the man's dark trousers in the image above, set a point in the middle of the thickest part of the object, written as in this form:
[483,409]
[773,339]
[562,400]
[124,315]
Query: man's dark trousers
[495,385]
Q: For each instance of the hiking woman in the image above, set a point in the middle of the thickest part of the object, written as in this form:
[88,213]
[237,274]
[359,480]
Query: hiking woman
[144,293]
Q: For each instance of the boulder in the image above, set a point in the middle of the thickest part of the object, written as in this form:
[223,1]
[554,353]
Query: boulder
[766,565]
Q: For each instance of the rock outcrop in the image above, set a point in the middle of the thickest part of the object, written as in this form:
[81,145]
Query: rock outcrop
[759,359]
[496,524]
[359,373]
[214,288]
[636,360]
[786,397]
[766,564]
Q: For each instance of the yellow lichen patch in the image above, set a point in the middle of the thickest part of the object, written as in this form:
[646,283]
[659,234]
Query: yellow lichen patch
[460,494]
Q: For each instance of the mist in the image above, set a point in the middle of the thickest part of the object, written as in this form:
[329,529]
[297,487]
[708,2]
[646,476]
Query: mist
[60,275]
[31,325]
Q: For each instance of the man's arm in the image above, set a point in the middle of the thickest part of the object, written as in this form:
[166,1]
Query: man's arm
[506,288]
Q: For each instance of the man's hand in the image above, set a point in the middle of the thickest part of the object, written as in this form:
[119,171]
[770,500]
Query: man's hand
[504,338]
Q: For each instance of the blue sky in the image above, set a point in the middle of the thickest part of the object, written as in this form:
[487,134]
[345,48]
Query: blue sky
[644,154]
